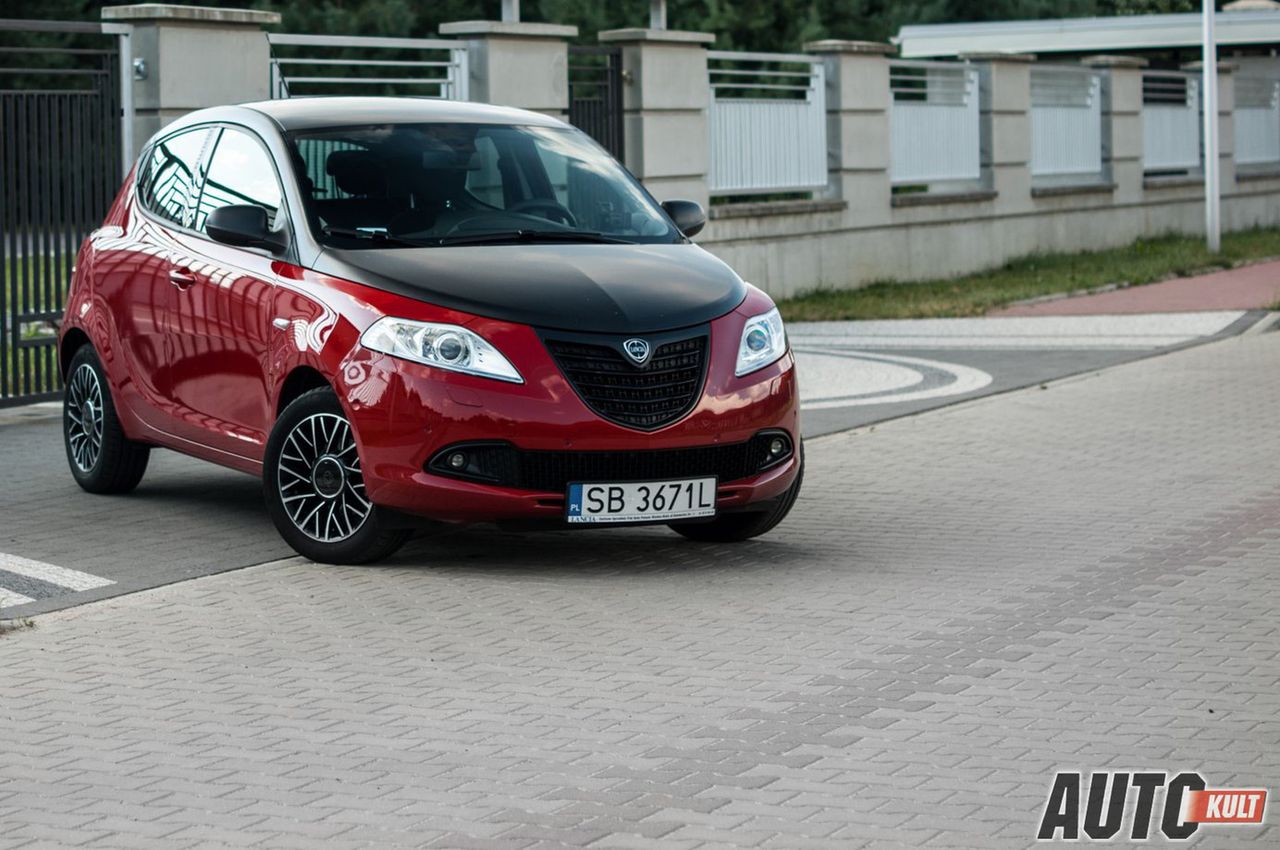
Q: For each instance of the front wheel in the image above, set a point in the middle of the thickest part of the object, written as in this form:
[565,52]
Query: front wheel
[315,490]
[732,528]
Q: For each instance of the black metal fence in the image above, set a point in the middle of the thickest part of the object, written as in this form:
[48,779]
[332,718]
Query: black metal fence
[595,95]
[59,170]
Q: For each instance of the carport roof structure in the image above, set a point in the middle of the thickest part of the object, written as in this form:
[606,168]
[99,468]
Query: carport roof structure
[1086,35]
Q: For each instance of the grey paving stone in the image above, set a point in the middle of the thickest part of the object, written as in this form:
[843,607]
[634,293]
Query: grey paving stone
[962,604]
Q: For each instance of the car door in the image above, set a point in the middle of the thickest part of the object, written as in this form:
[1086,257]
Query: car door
[132,271]
[219,340]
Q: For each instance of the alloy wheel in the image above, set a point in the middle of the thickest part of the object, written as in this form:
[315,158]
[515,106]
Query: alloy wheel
[85,417]
[319,479]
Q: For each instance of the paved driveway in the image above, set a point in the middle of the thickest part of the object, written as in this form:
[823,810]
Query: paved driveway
[963,603]
[60,547]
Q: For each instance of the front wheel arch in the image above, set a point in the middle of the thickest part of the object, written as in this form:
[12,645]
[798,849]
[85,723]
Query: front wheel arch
[299,381]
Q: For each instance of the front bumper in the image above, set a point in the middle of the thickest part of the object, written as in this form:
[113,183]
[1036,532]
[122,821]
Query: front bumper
[404,414]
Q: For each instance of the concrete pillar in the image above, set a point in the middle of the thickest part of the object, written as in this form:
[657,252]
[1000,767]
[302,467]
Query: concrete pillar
[1005,103]
[517,64]
[664,98]
[858,144]
[1122,123]
[191,57]
[1226,121]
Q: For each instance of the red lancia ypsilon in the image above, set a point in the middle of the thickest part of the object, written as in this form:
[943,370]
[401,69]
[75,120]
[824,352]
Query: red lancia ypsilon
[397,309]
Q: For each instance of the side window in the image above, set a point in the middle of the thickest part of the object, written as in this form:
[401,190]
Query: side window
[484,179]
[168,181]
[240,172]
[558,167]
[315,153]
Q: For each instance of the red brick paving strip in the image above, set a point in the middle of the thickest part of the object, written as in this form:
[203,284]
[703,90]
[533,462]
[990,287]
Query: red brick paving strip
[1246,288]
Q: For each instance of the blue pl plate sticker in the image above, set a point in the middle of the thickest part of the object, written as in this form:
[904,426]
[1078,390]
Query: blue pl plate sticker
[575,500]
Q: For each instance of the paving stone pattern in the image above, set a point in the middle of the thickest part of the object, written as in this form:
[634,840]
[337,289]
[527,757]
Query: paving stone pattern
[963,603]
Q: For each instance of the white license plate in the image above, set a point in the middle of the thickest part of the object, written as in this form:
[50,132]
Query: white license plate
[642,501]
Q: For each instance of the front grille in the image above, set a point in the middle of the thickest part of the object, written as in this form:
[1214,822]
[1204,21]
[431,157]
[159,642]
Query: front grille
[642,397]
[508,466]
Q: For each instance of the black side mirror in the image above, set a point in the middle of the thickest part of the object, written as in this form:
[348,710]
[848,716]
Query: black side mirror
[245,226]
[687,215]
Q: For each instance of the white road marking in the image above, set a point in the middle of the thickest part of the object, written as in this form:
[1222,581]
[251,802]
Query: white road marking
[859,378]
[8,598]
[61,576]
[1142,331]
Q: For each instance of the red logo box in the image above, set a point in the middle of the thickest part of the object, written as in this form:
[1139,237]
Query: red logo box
[1227,805]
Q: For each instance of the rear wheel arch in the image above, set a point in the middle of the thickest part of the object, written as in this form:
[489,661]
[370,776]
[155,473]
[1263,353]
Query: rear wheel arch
[72,341]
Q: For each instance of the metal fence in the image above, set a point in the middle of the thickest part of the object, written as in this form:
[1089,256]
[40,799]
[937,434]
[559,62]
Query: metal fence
[934,123]
[1066,122]
[60,167]
[767,123]
[1257,117]
[595,94]
[348,64]
[1170,121]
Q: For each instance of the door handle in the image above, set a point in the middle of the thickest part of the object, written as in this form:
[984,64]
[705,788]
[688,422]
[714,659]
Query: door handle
[181,278]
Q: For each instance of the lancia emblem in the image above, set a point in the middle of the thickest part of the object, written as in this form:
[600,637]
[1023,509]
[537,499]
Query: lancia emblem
[637,350]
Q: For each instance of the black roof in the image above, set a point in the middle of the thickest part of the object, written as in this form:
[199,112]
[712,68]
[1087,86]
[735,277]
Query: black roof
[303,113]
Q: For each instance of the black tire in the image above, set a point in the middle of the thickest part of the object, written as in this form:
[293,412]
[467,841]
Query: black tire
[732,528]
[102,459]
[323,516]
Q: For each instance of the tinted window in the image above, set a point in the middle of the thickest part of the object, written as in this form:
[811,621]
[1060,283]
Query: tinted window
[240,172]
[429,183]
[168,179]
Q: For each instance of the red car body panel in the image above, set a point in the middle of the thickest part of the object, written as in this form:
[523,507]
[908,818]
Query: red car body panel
[200,339]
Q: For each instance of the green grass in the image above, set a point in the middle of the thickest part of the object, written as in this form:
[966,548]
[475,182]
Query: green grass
[32,269]
[1145,261]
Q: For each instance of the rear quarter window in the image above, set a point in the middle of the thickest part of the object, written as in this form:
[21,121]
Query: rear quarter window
[169,178]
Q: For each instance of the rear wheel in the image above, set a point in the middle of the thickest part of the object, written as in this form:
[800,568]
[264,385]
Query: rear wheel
[731,528]
[315,488]
[101,457]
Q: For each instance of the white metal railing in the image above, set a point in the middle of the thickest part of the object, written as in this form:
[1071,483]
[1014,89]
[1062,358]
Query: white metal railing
[1257,120]
[934,123]
[439,70]
[1170,121]
[1066,122]
[767,123]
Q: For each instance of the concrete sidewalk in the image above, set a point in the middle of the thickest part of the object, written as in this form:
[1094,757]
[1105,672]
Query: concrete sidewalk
[1255,287]
[962,604]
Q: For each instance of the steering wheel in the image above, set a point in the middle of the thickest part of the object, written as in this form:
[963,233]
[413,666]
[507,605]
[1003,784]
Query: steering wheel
[556,209]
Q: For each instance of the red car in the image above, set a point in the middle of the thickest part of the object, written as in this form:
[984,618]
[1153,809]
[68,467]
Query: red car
[403,309]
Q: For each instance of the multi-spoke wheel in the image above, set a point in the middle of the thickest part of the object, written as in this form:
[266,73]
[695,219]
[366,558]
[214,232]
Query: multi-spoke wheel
[102,458]
[319,479]
[314,487]
[84,415]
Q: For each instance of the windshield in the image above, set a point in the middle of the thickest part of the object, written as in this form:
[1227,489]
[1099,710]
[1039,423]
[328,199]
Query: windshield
[396,185]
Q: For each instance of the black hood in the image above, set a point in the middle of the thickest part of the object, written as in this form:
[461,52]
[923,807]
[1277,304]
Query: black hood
[590,288]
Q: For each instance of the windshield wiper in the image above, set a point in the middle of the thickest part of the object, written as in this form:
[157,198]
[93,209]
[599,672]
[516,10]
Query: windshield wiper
[373,236]
[530,236]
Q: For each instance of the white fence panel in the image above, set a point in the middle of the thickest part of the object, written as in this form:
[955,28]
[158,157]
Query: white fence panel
[1257,120]
[439,70]
[767,123]
[1066,122]
[934,123]
[1170,121]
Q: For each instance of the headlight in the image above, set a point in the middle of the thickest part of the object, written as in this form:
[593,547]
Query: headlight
[443,346]
[763,342]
